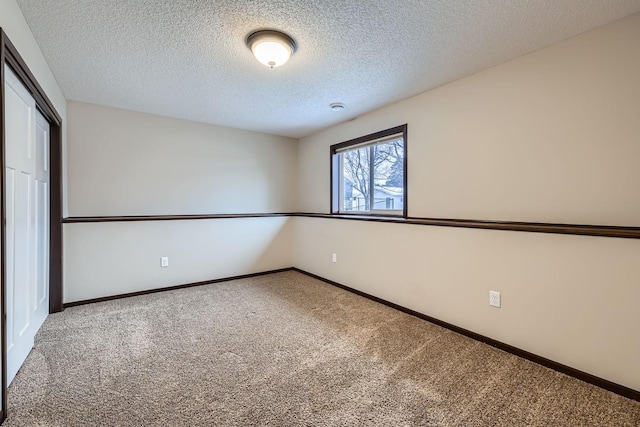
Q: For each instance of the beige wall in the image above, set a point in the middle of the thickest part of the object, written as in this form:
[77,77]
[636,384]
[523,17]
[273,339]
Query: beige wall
[112,258]
[16,28]
[128,163]
[572,299]
[549,137]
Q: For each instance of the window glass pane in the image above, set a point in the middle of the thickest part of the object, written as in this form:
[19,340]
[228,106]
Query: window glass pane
[388,175]
[356,179]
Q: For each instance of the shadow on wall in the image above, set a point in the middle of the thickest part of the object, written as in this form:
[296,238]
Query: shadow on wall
[276,248]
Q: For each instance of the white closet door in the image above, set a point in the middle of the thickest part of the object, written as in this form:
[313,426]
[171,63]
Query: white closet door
[27,224]
[40,300]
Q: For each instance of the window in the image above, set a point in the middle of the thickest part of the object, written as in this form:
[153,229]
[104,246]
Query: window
[368,174]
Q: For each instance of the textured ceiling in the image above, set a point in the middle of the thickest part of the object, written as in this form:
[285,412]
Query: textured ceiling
[187,58]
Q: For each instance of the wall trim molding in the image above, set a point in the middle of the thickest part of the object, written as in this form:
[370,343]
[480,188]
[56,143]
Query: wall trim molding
[172,288]
[532,227]
[127,218]
[556,366]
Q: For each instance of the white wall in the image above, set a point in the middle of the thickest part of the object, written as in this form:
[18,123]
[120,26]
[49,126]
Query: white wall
[549,137]
[16,28]
[129,163]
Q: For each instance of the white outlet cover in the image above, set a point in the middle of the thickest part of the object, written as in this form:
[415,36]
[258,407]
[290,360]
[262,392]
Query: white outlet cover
[334,257]
[164,261]
[494,299]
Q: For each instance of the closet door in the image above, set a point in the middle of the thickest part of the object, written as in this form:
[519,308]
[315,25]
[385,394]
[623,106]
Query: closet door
[27,228]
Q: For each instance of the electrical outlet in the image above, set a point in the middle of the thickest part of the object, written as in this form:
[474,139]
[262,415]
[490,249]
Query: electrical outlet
[494,299]
[164,261]
[334,257]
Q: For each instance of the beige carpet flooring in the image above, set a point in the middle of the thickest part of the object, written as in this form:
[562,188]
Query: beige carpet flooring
[284,350]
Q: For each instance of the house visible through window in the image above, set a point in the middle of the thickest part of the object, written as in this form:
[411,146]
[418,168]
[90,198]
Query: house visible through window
[369,174]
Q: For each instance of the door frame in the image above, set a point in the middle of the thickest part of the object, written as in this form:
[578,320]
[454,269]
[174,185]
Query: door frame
[9,55]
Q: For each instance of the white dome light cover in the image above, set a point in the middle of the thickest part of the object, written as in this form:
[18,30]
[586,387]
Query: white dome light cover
[272,48]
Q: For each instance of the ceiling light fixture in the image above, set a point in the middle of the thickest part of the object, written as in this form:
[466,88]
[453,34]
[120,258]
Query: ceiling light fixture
[337,106]
[270,47]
